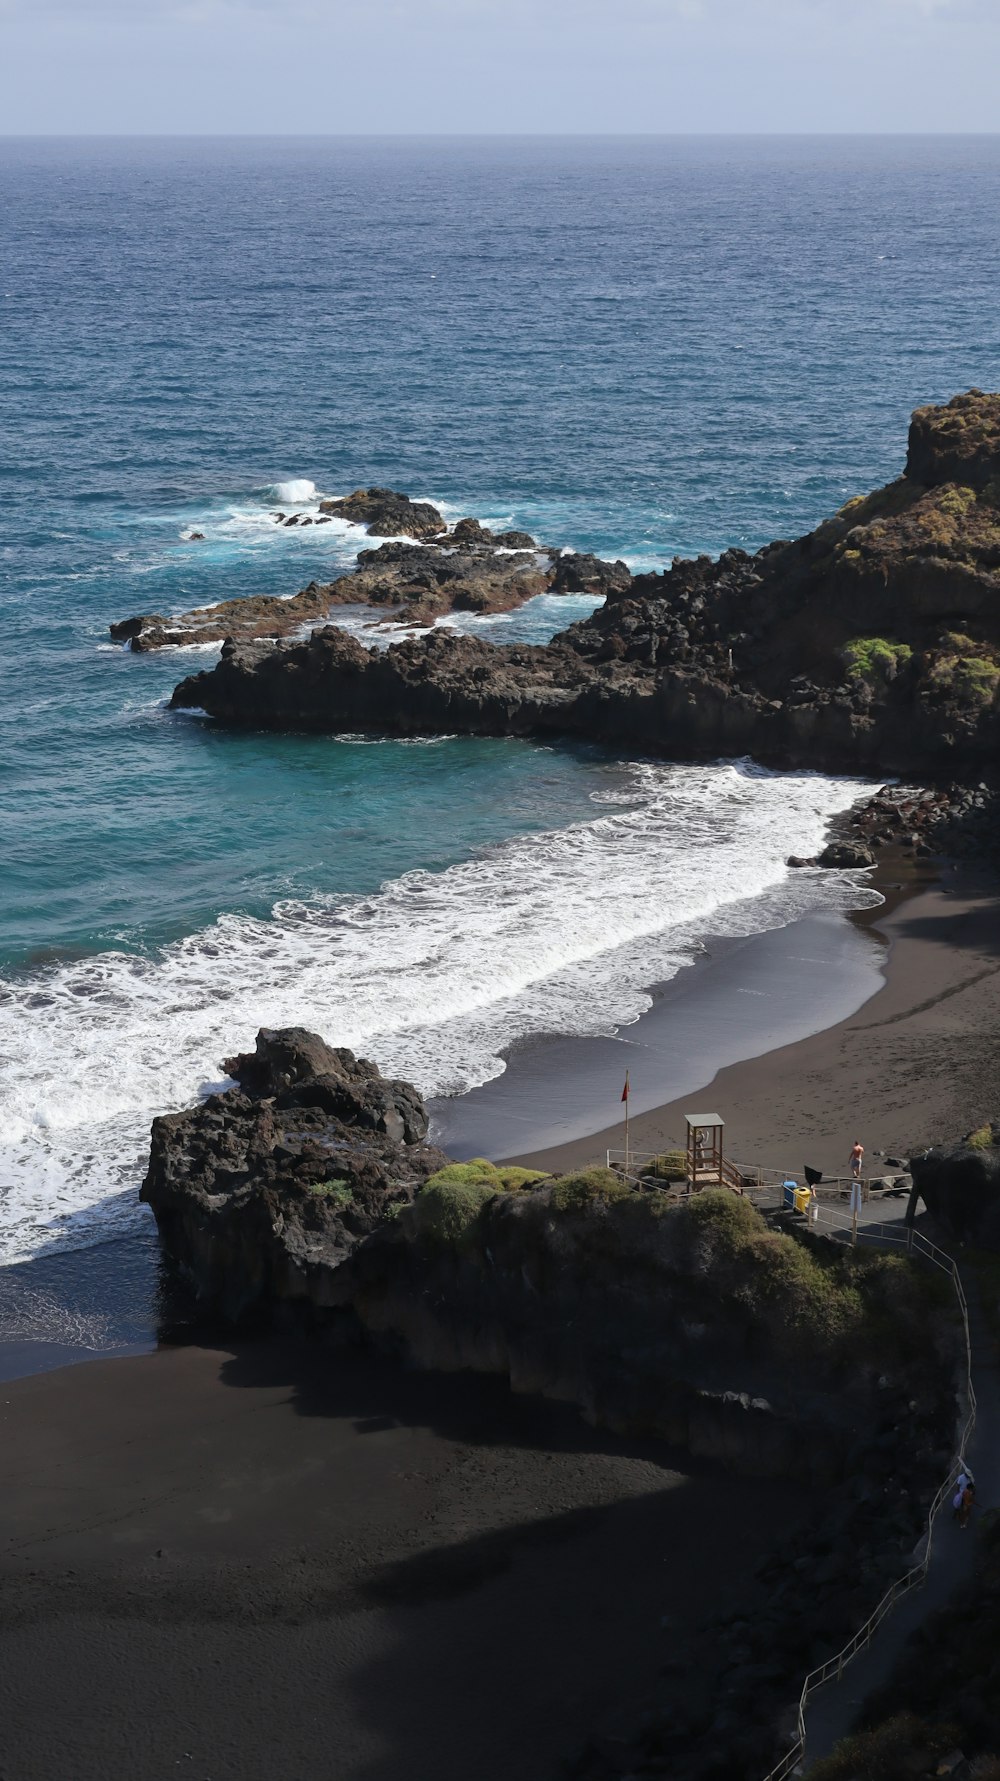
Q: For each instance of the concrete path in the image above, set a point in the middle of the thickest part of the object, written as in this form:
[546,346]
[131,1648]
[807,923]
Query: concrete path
[833,1710]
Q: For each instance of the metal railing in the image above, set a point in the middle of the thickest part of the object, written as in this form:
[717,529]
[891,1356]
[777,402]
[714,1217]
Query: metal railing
[916,1244]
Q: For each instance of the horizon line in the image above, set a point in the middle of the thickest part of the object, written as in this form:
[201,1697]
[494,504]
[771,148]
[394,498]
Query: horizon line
[491,135]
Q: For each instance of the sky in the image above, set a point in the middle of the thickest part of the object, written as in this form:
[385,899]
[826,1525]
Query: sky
[316,67]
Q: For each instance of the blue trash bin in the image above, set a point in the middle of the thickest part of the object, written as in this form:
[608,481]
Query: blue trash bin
[788,1193]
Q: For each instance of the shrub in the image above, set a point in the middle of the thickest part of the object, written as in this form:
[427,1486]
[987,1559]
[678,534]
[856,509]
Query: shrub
[338,1190]
[670,1165]
[898,1748]
[509,1179]
[462,1174]
[513,1179]
[447,1212]
[963,669]
[574,1193]
[981,1138]
[875,658]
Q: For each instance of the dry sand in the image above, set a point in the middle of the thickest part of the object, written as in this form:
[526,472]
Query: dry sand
[915,1065]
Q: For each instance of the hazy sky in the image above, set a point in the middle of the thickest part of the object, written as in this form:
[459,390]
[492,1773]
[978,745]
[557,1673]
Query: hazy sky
[318,66]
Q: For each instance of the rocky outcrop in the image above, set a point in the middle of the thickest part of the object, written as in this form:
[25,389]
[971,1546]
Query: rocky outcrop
[872,644]
[260,1193]
[960,1186]
[694,1322]
[469,569]
[387,514]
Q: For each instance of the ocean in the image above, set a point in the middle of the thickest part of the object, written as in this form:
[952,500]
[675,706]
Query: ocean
[642,347]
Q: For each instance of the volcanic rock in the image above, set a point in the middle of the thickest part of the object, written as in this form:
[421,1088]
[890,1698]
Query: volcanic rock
[261,1192]
[467,570]
[960,1186]
[385,513]
[846,854]
[871,644]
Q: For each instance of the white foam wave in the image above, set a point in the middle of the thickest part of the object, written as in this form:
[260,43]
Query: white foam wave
[294,492]
[432,976]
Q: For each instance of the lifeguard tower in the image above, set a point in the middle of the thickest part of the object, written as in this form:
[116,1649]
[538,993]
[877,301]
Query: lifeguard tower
[706,1165]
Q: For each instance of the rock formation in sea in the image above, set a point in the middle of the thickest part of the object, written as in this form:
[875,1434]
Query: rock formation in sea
[260,1192]
[469,569]
[870,645]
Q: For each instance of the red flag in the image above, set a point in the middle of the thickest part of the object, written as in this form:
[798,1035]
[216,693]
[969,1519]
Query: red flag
[625,1089]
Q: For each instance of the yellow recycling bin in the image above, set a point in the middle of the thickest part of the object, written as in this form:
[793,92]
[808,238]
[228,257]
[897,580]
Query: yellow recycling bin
[802,1198]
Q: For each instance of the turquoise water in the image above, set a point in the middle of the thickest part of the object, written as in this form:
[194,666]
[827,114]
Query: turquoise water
[640,347]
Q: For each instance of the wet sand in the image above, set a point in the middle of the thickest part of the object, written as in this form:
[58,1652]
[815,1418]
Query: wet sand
[289,1561]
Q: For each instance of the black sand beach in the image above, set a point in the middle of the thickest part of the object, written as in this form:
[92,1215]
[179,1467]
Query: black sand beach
[287,1561]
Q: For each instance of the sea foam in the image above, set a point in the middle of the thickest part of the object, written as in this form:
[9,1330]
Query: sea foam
[433,976]
[295,492]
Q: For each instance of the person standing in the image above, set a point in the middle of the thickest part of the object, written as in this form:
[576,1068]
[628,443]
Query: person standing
[857,1158]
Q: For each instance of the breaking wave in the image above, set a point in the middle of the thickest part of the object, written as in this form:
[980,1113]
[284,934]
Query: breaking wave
[433,976]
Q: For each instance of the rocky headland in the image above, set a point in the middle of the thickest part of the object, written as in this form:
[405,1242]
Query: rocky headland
[871,645]
[424,572]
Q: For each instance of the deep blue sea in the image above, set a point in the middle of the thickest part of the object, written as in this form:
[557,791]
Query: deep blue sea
[643,347]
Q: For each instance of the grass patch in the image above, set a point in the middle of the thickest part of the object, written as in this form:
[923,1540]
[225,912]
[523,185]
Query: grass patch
[338,1190]
[981,1138]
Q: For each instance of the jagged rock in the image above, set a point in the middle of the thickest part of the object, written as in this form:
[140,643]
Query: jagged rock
[261,1193]
[575,573]
[468,570]
[385,513]
[872,644]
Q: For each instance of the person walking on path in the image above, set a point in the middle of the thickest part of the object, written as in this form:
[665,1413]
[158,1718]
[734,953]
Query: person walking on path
[857,1158]
[967,1503]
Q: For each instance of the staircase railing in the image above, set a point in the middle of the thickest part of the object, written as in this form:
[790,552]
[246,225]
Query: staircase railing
[916,1244]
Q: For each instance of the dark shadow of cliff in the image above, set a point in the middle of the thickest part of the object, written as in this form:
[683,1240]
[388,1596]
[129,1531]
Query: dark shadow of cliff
[506,1652]
[377,1392]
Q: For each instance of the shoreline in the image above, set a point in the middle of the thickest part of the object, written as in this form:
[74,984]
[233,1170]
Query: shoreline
[825,992]
[914,1063]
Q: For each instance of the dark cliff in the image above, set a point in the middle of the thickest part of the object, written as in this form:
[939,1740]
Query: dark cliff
[873,643]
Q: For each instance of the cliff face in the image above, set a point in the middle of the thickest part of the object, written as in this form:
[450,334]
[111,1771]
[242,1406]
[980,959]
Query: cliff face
[697,1323]
[872,643]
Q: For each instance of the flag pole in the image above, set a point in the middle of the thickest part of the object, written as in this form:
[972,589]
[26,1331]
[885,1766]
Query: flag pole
[625,1099]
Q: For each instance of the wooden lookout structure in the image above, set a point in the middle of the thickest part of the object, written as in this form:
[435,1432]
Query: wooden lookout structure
[706,1163]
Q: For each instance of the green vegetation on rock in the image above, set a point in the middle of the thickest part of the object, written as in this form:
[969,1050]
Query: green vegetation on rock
[505,1179]
[875,658]
[981,1138]
[968,670]
[577,1193]
[446,1213]
[338,1190]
